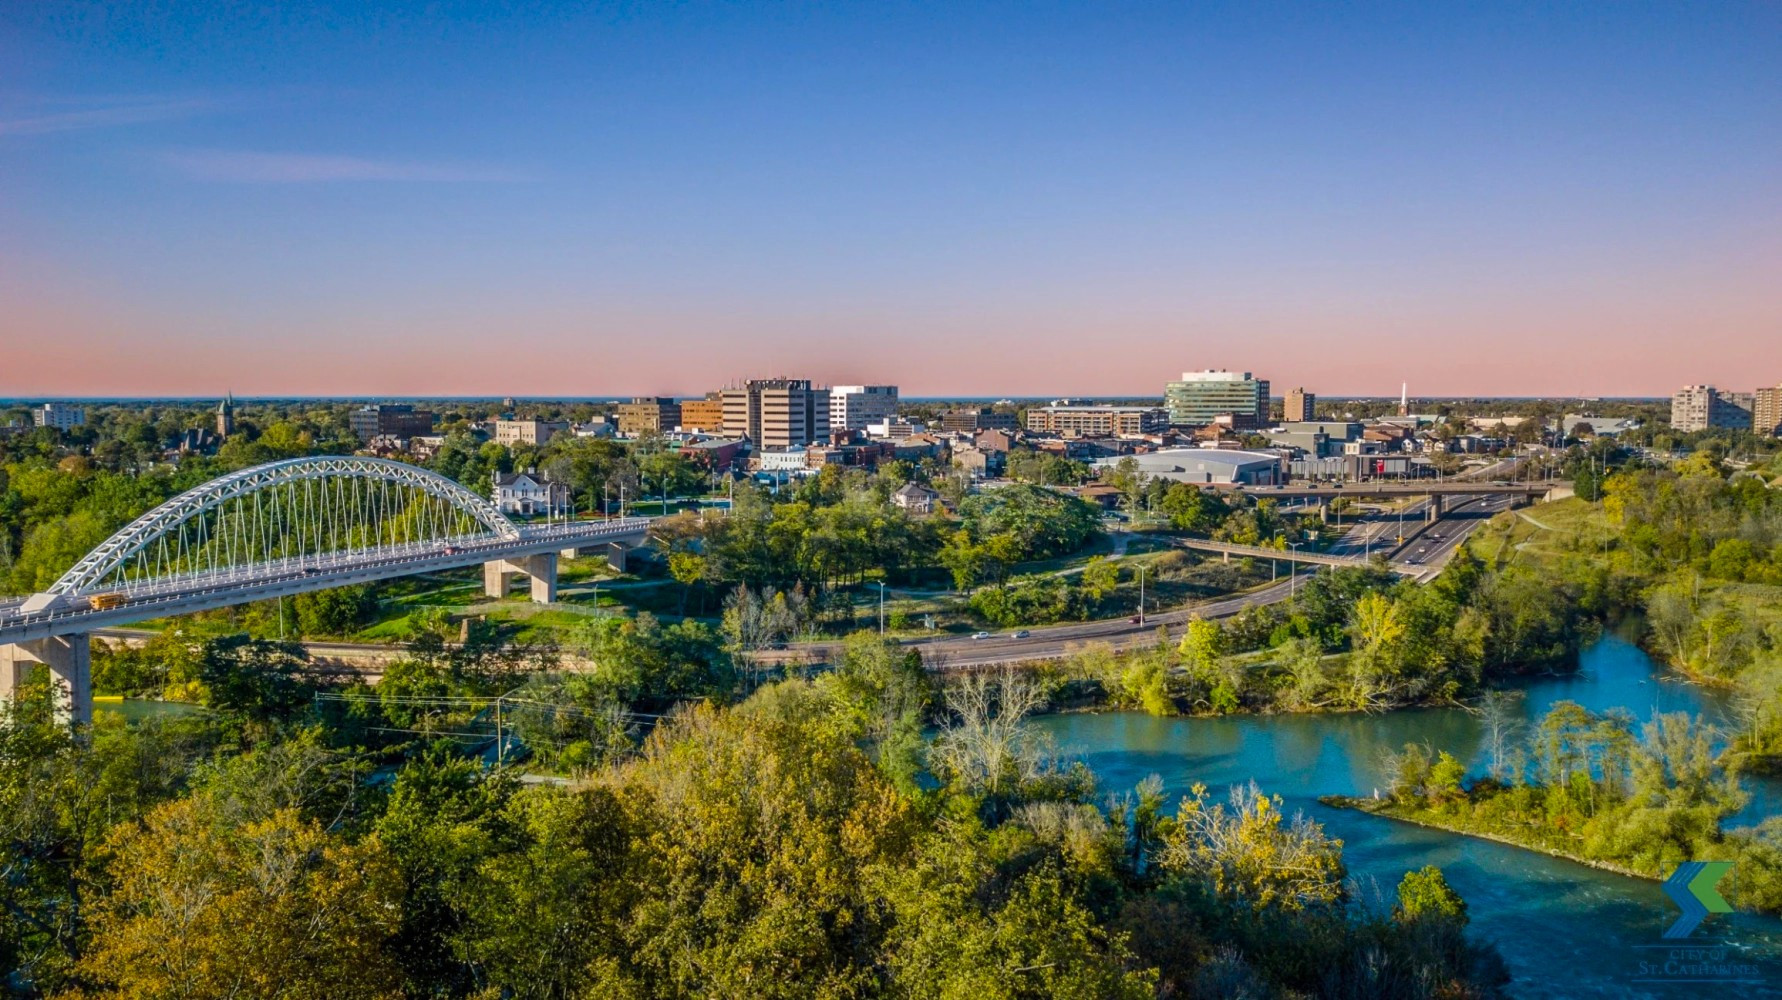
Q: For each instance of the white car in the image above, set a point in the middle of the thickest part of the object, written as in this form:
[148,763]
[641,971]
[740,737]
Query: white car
[980,635]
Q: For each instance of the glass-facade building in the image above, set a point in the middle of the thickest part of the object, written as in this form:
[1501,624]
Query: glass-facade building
[1201,398]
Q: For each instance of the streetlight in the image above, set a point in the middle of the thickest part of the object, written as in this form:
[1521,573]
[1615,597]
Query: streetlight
[881,607]
[1141,570]
[1293,570]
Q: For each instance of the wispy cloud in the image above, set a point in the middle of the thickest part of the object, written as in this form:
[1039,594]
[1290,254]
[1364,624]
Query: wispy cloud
[247,167]
[109,114]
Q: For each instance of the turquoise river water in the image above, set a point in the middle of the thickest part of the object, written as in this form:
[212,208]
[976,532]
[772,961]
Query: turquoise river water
[1566,930]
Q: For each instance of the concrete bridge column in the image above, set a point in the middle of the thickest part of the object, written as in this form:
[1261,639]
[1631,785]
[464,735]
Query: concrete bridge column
[1324,511]
[70,662]
[539,570]
[1435,508]
[495,578]
[615,555]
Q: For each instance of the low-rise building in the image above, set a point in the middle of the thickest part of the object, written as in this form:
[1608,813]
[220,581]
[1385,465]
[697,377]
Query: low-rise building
[1207,465]
[915,498]
[532,432]
[1097,421]
[530,494]
[982,418]
[1581,424]
[894,428]
[781,459]
[714,454]
[980,464]
[389,420]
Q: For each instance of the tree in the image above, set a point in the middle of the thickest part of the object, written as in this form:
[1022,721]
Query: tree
[1100,576]
[1203,642]
[987,748]
[275,907]
[256,678]
[1248,852]
[1498,716]
[687,568]
[1426,895]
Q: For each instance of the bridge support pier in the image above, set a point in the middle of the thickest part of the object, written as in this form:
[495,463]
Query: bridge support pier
[615,555]
[70,662]
[1324,511]
[540,572]
[1436,508]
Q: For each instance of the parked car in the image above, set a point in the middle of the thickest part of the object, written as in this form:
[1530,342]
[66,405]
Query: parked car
[980,635]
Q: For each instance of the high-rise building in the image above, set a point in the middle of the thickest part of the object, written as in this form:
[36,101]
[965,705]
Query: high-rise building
[61,416]
[1699,407]
[1301,407]
[226,416]
[703,414]
[776,412]
[1200,398]
[852,407]
[389,420]
[649,415]
[1766,412]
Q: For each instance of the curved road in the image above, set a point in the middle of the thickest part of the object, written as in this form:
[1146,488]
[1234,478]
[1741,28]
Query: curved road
[1426,544]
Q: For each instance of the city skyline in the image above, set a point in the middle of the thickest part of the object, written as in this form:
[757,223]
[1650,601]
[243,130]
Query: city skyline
[988,201]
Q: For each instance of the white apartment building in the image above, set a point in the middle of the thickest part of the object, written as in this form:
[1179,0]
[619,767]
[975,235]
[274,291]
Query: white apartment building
[61,416]
[1699,407]
[854,407]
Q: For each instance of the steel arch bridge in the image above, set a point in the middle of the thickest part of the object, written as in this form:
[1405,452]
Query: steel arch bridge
[285,528]
[302,510]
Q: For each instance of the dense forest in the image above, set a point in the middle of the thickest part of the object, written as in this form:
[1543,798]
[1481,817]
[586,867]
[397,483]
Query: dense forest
[261,850]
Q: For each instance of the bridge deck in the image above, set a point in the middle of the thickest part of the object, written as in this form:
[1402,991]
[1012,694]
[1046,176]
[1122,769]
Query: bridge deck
[203,592]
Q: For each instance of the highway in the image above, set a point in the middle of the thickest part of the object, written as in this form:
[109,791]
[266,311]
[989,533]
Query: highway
[1427,545]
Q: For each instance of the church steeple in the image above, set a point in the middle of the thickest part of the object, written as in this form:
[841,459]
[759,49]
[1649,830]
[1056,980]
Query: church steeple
[226,416]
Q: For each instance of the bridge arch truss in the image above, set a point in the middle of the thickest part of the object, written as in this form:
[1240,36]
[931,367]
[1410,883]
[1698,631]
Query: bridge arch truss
[290,515]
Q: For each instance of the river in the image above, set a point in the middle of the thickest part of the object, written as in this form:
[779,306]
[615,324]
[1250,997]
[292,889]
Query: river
[1566,930]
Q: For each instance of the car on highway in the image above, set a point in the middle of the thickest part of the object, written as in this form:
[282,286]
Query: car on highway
[1137,619]
[980,635]
[1019,634]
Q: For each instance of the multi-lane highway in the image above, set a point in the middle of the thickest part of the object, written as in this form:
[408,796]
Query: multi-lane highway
[1426,545]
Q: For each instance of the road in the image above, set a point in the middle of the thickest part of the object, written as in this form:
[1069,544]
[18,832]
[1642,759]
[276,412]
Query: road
[1426,545]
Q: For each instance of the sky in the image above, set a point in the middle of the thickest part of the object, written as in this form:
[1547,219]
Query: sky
[1039,198]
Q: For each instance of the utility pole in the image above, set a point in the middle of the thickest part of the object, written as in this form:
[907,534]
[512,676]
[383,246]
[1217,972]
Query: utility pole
[881,607]
[1293,570]
[1141,570]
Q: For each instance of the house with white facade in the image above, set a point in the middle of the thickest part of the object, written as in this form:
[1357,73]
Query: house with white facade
[530,494]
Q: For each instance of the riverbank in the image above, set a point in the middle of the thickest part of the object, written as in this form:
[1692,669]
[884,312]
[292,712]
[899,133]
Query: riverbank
[1389,809]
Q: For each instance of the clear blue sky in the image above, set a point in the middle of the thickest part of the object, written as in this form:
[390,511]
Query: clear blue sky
[991,198]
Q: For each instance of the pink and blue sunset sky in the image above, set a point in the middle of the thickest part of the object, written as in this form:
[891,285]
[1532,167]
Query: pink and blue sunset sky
[984,199]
